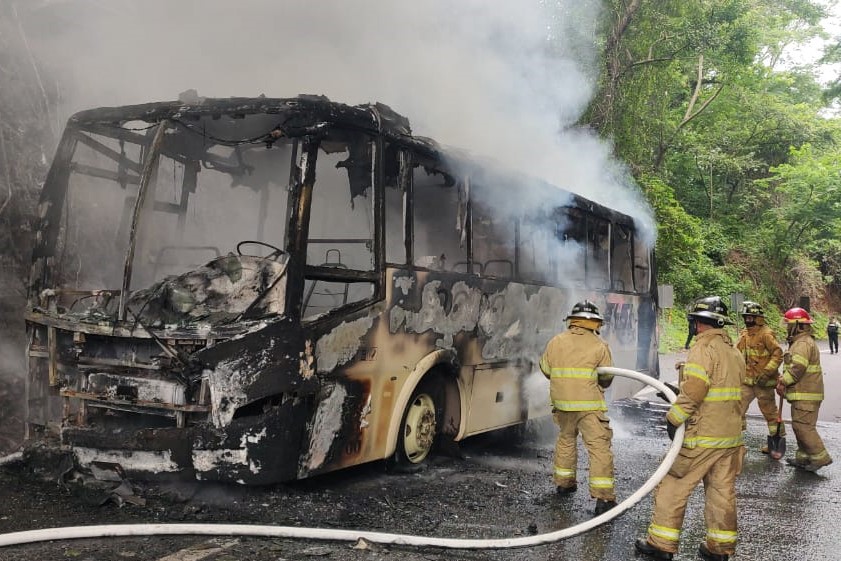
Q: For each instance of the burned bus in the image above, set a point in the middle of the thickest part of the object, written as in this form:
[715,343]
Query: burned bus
[257,290]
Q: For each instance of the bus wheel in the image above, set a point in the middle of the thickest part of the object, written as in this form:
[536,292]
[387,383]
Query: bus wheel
[419,427]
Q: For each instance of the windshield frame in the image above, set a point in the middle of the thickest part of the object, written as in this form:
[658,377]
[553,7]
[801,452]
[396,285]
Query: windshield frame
[46,295]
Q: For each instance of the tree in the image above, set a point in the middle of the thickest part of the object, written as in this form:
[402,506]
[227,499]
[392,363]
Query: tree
[695,100]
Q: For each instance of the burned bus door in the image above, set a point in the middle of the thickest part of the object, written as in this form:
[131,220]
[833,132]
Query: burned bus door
[341,233]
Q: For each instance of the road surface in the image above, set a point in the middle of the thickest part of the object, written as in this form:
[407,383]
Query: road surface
[500,487]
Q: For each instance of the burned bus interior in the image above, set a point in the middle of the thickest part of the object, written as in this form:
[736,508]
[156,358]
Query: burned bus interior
[210,278]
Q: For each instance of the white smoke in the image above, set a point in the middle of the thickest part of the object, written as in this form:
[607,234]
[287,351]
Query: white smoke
[502,79]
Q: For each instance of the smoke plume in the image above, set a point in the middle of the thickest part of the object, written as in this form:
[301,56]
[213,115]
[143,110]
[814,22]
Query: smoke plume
[505,80]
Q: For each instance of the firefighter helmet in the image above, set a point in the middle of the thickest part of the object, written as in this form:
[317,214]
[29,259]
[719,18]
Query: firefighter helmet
[711,310]
[585,310]
[797,315]
[752,309]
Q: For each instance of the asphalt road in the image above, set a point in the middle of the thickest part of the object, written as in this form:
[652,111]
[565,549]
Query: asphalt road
[500,487]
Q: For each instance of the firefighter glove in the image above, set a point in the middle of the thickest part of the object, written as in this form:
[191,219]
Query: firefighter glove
[672,387]
[671,430]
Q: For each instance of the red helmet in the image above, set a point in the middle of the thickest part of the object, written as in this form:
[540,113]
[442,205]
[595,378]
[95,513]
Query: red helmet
[797,315]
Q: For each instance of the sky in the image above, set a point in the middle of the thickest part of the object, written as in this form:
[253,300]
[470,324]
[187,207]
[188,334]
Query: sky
[812,51]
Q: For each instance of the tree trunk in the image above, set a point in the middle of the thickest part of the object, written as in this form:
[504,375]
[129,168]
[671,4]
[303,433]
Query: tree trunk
[604,103]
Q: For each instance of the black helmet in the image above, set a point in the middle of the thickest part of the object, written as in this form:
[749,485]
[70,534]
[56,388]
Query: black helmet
[711,310]
[752,309]
[585,310]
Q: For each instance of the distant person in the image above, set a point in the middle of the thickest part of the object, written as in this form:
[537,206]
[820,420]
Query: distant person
[832,335]
[577,392]
[709,405]
[691,334]
[763,356]
[802,385]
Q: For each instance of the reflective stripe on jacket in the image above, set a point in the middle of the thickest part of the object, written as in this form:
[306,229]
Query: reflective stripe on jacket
[570,361]
[762,354]
[710,393]
[803,376]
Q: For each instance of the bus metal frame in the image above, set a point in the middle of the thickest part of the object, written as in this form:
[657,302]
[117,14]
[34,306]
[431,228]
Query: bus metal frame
[269,393]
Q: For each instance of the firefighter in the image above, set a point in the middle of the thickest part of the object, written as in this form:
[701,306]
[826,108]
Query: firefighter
[577,393]
[802,385]
[763,356]
[709,404]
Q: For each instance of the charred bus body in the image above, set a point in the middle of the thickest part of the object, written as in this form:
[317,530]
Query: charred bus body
[258,290]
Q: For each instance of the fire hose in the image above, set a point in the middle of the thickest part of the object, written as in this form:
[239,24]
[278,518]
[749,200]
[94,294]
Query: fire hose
[253,530]
[13,457]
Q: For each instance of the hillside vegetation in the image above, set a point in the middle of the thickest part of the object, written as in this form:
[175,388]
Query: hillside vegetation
[736,148]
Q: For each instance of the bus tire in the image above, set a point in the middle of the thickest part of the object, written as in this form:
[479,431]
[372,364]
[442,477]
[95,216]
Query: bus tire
[419,426]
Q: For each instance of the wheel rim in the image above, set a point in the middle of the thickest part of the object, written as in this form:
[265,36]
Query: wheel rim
[419,429]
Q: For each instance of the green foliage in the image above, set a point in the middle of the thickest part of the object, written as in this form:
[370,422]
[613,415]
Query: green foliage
[807,190]
[735,153]
[674,328]
[689,253]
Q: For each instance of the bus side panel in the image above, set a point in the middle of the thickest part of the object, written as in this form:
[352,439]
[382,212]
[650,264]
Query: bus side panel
[363,367]
[647,359]
[496,331]
[497,399]
[621,331]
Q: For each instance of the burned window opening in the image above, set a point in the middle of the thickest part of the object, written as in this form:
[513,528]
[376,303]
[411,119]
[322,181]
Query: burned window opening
[571,230]
[494,241]
[642,266]
[179,185]
[439,221]
[598,253]
[622,262]
[396,183]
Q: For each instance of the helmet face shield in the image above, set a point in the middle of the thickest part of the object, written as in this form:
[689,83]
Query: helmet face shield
[585,310]
[752,309]
[711,310]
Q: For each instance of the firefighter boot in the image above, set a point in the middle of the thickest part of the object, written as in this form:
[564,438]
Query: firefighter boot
[603,506]
[566,490]
[815,466]
[708,555]
[797,463]
[642,546]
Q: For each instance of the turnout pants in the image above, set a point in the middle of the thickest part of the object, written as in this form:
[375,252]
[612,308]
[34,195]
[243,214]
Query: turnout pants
[767,399]
[595,431]
[810,446]
[717,468]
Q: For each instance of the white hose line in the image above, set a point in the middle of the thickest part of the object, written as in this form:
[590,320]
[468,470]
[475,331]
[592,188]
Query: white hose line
[13,457]
[124,530]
